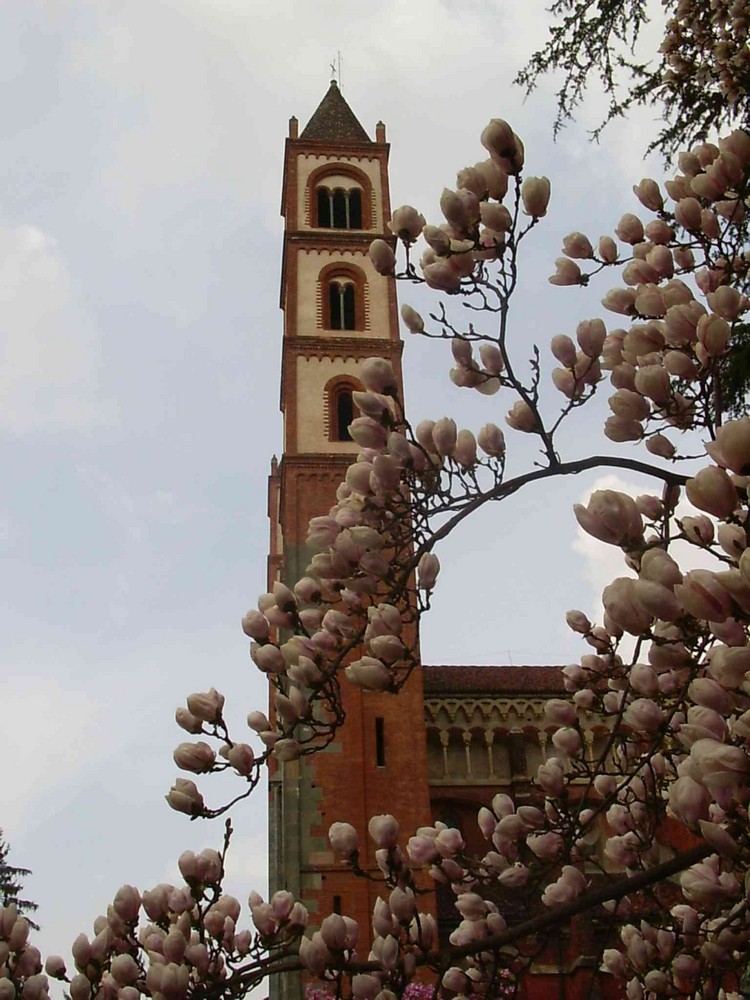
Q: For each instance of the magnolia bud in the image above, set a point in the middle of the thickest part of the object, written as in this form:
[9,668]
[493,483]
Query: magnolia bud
[591,335]
[343,838]
[184,797]
[630,229]
[407,223]
[383,830]
[427,571]
[207,706]
[648,194]
[567,272]
[382,257]
[577,245]
[491,440]
[713,491]
[413,321]
[535,193]
[377,374]
[522,418]
[196,757]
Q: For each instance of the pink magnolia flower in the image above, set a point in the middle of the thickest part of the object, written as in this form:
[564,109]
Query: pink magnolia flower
[705,883]
[384,830]
[620,300]
[522,418]
[578,246]
[643,715]
[567,272]
[184,797]
[564,350]
[343,838]
[428,569]
[535,194]
[382,257]
[551,777]
[369,673]
[444,436]
[688,801]
[412,319]
[546,846]
[407,223]
[377,375]
[702,596]
[207,706]
[630,229]
[568,886]
[648,194]
[195,757]
[491,440]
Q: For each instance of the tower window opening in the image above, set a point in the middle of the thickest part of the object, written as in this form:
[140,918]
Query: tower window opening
[340,208]
[337,904]
[344,414]
[341,301]
[354,205]
[380,742]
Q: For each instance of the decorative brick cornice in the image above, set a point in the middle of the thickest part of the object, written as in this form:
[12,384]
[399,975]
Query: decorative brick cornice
[326,466]
[338,150]
[342,240]
[342,347]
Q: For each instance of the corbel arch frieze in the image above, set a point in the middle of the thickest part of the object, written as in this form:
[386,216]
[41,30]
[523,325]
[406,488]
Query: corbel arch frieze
[481,712]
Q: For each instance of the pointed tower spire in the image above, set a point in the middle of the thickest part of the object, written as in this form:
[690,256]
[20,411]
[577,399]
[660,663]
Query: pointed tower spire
[334,121]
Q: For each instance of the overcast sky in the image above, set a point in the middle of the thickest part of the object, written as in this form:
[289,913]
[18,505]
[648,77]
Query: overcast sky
[140,240]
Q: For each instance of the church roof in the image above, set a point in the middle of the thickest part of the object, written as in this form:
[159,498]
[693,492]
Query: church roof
[456,680]
[334,120]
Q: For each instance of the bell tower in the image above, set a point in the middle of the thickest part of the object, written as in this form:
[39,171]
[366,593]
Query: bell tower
[337,312]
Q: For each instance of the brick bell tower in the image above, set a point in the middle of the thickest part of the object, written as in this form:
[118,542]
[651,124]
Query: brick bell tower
[337,312]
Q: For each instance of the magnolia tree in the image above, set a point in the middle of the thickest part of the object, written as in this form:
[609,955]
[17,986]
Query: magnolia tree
[676,709]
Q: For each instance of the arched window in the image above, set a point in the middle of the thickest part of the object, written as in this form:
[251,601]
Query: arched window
[339,208]
[340,196]
[341,303]
[342,296]
[340,408]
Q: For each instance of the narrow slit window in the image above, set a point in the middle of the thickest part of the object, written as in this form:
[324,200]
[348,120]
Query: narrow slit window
[380,742]
[344,414]
[337,904]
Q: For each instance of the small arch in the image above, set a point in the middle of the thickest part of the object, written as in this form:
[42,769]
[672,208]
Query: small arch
[342,297]
[342,305]
[340,408]
[340,207]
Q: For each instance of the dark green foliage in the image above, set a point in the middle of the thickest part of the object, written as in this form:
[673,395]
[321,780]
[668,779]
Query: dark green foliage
[735,374]
[593,44]
[11,884]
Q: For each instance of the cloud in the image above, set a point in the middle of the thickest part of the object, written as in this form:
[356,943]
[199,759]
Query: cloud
[48,730]
[49,351]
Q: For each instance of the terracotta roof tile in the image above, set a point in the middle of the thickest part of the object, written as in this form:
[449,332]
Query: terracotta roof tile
[491,679]
[334,121]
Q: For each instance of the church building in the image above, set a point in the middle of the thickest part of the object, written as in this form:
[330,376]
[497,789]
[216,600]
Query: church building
[467,732]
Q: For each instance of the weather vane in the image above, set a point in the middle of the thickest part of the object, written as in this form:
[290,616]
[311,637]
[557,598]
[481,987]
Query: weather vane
[336,71]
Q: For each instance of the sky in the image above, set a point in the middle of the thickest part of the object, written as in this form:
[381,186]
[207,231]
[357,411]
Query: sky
[140,242]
